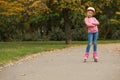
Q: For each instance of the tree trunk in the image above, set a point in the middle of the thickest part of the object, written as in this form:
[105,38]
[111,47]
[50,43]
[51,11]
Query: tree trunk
[67,26]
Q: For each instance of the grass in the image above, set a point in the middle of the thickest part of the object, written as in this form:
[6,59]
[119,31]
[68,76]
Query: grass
[99,42]
[12,51]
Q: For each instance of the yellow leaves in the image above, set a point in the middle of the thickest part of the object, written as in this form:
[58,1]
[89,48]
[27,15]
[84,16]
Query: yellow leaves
[70,1]
[118,13]
[35,4]
[28,6]
[114,21]
[38,6]
[15,7]
[10,8]
[88,3]
[55,1]
[35,7]
[70,4]
[25,1]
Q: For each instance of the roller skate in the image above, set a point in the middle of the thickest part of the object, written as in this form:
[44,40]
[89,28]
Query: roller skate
[86,57]
[95,56]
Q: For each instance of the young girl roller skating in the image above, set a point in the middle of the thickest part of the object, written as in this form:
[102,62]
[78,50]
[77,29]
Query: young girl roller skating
[92,25]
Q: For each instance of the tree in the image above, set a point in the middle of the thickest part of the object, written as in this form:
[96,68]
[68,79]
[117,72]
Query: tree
[66,7]
[22,10]
[22,17]
[10,8]
[110,20]
[31,7]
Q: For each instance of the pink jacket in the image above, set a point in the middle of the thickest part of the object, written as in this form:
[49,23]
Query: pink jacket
[92,24]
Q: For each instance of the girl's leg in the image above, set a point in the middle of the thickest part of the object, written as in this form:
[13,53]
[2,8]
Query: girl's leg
[95,37]
[90,38]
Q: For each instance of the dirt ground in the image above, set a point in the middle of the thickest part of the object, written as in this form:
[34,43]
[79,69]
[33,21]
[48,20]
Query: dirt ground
[67,64]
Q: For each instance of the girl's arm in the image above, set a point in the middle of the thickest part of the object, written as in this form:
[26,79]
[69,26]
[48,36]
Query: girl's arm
[96,22]
[88,23]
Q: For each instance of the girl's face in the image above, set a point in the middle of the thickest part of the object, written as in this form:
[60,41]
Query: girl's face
[90,13]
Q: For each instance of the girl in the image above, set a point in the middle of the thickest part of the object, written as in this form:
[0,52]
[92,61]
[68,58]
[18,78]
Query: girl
[91,23]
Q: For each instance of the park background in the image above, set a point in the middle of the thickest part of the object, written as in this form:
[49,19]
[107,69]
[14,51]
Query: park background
[56,20]
[32,26]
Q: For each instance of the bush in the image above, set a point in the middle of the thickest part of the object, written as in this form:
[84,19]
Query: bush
[79,34]
[30,37]
[116,35]
[57,35]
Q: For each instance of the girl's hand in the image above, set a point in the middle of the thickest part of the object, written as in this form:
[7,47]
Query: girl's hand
[95,24]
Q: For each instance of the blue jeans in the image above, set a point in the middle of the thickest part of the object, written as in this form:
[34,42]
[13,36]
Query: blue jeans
[92,38]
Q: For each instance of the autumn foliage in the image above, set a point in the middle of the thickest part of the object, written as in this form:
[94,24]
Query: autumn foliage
[56,19]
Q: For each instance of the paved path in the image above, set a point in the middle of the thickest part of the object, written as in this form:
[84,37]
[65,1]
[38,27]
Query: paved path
[68,64]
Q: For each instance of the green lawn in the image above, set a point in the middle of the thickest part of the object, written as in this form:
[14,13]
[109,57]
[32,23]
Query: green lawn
[11,51]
